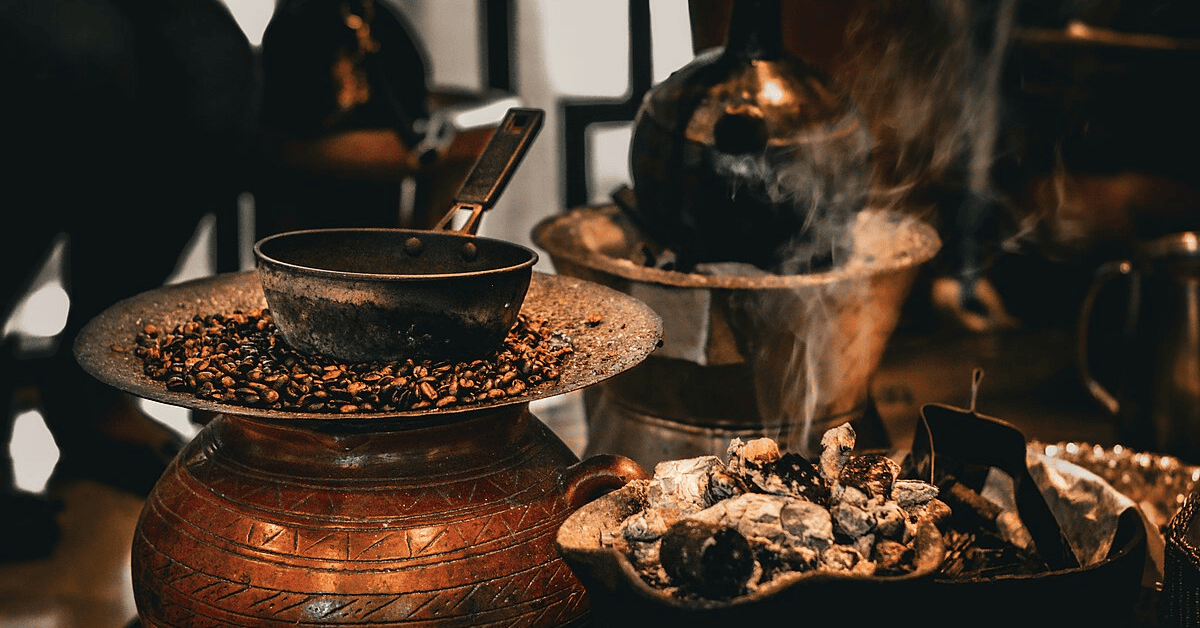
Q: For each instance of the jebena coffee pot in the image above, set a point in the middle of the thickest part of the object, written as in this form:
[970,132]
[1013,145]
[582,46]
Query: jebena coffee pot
[750,154]
[1155,392]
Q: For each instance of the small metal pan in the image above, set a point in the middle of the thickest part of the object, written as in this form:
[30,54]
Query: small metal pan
[362,295]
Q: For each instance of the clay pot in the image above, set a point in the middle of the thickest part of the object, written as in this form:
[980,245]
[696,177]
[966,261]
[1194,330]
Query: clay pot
[445,521]
[430,517]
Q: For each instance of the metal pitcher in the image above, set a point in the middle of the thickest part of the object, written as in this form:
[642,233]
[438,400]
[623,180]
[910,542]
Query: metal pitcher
[1156,393]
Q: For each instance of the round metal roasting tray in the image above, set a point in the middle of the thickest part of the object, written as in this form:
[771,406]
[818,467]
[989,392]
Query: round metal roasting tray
[609,332]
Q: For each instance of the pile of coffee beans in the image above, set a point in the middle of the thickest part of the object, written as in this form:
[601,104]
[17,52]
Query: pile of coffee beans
[241,359]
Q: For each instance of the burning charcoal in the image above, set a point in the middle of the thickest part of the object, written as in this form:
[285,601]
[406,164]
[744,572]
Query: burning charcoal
[836,445]
[683,484]
[800,478]
[778,560]
[807,522]
[890,521]
[646,526]
[763,468]
[842,494]
[846,558]
[755,515]
[913,493]
[774,522]
[787,512]
[851,521]
[724,485]
[708,559]
[750,462]
[892,556]
[750,455]
[864,545]
[871,473]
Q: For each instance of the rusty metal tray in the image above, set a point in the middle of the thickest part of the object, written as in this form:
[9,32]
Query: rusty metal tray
[610,332]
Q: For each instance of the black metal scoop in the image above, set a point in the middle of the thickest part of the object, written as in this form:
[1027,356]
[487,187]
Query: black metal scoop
[969,438]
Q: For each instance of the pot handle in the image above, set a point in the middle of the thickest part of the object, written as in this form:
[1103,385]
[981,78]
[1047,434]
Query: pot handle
[589,479]
[1104,274]
[494,167]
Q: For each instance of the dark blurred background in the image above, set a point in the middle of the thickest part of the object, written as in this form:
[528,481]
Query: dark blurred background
[154,142]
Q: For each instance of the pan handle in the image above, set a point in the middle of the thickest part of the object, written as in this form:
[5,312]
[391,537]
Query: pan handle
[495,166]
[1083,330]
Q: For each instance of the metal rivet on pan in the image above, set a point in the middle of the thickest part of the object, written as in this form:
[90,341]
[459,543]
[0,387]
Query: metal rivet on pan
[413,246]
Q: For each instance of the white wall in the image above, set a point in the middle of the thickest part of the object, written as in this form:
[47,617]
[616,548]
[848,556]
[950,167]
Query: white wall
[562,49]
[252,16]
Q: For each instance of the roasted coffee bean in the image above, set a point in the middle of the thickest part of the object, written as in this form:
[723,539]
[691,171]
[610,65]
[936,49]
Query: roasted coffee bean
[241,359]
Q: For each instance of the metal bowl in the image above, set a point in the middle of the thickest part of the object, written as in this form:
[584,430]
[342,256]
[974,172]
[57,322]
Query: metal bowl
[363,295]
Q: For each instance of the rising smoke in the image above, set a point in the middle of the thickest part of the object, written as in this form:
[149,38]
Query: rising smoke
[926,77]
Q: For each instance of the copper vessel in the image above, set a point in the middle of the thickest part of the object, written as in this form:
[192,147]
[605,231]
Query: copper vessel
[417,518]
[750,154]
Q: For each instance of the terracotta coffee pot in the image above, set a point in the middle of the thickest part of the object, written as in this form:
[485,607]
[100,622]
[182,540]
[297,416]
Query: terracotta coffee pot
[393,523]
[431,517]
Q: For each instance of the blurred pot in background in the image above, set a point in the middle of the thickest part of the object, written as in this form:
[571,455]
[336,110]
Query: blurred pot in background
[750,154]
[1105,129]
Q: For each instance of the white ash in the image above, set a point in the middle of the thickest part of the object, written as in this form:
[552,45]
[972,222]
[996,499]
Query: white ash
[893,523]
[683,484]
[851,520]
[846,558]
[774,519]
[746,456]
[913,493]
[724,485]
[836,446]
[648,525]
[791,527]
